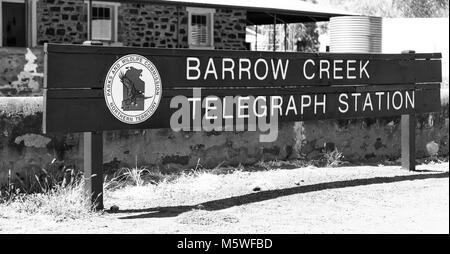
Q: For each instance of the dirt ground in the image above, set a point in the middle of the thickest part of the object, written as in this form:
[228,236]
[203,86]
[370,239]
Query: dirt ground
[363,199]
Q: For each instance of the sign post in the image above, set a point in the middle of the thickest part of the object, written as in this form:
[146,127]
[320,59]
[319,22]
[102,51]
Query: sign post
[408,139]
[93,168]
[408,136]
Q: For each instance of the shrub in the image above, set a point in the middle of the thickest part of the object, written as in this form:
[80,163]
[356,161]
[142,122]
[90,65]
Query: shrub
[333,158]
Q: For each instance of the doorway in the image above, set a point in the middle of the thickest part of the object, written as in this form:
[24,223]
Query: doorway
[13,24]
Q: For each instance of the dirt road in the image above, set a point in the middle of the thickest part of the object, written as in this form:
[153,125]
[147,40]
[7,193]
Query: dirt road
[383,199]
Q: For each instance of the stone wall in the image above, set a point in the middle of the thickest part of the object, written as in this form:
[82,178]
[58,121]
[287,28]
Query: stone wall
[21,71]
[25,150]
[145,25]
[230,29]
[61,21]
[142,25]
[373,140]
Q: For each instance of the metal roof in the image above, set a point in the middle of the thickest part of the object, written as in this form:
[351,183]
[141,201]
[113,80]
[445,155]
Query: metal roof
[260,11]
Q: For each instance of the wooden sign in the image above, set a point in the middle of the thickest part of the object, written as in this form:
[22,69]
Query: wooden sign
[301,86]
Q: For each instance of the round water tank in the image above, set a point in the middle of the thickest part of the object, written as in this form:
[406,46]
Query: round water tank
[358,34]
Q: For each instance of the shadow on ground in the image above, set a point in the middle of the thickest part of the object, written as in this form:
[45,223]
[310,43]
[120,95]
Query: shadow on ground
[172,211]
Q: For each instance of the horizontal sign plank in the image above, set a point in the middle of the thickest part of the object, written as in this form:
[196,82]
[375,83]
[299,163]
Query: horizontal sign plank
[66,113]
[99,93]
[74,67]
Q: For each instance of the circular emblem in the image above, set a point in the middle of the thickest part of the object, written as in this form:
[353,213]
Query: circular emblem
[133,89]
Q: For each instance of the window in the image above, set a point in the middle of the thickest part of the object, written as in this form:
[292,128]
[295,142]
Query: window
[102,25]
[104,21]
[17,23]
[201,28]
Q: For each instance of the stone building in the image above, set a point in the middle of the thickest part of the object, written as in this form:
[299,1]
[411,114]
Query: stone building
[29,23]
[142,25]
[200,24]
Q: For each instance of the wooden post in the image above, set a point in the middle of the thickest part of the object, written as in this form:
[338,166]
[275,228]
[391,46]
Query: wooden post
[408,136]
[408,131]
[93,171]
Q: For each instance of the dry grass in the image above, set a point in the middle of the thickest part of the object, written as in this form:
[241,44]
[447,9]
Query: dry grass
[140,187]
[133,176]
[60,202]
[57,192]
[303,200]
[333,158]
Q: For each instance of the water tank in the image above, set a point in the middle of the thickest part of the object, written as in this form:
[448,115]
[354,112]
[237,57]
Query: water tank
[357,34]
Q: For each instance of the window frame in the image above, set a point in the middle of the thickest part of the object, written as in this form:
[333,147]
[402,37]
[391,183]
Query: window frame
[210,18]
[114,6]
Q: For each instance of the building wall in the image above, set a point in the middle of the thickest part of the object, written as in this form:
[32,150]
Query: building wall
[61,21]
[65,21]
[145,25]
[156,26]
[230,29]
[142,25]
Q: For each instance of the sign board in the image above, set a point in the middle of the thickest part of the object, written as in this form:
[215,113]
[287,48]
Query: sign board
[95,88]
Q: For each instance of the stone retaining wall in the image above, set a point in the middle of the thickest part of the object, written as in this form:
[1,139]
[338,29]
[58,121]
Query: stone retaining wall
[24,149]
[21,71]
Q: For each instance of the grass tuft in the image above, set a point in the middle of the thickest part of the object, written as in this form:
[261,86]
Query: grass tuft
[333,158]
[57,191]
[132,176]
[61,202]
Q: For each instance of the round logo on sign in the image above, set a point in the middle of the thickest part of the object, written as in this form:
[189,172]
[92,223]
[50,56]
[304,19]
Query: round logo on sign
[133,89]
